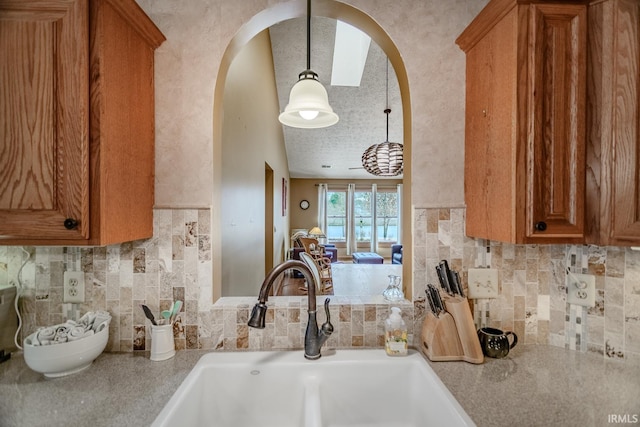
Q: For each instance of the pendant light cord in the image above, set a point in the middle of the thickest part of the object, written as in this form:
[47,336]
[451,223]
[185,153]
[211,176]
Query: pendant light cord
[387,110]
[308,34]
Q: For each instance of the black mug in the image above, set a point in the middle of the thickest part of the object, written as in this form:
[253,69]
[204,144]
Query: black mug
[495,343]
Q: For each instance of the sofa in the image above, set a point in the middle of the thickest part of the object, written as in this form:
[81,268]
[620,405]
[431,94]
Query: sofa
[396,254]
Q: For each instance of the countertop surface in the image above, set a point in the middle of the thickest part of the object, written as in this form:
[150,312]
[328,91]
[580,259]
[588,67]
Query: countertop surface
[533,386]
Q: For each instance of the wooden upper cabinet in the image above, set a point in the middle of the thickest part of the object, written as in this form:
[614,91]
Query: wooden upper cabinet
[613,160]
[76,122]
[525,121]
[44,119]
[555,133]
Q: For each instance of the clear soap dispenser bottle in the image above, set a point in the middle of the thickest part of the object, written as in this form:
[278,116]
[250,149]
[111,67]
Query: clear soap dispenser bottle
[396,342]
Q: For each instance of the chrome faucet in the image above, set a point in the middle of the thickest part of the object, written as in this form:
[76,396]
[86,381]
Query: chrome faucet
[314,337]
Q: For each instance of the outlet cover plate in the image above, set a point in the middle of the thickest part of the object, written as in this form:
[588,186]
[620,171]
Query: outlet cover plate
[581,289]
[483,283]
[73,288]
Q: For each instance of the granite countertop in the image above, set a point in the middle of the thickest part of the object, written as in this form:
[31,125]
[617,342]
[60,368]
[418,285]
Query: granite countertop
[118,389]
[533,386]
[538,385]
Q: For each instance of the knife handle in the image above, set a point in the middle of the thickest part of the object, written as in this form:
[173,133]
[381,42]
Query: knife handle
[430,301]
[444,279]
[437,300]
[458,282]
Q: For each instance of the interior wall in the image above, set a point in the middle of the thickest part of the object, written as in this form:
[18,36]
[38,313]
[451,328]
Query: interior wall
[198,34]
[304,189]
[250,138]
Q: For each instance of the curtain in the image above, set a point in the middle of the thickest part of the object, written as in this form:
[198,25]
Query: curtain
[374,226]
[352,243]
[399,189]
[322,208]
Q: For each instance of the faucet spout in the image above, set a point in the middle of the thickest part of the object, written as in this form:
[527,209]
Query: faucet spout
[314,337]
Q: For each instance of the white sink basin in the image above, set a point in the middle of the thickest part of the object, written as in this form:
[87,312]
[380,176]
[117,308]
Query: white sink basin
[343,388]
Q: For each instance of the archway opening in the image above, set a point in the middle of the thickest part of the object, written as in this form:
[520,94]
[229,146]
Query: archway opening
[257,24]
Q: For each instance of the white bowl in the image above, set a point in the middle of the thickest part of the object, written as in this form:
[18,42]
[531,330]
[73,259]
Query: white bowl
[58,360]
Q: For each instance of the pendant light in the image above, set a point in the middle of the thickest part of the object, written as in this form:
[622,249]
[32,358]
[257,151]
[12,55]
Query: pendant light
[384,159]
[308,106]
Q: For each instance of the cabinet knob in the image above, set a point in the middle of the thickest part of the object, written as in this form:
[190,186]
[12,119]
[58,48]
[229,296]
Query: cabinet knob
[541,226]
[70,223]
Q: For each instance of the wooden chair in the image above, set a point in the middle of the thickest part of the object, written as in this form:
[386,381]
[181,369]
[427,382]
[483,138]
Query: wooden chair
[310,244]
[321,269]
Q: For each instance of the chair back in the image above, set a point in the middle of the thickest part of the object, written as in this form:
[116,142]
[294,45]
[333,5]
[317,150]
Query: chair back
[310,244]
[313,266]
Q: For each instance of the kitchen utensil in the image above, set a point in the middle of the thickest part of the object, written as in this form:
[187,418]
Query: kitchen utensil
[148,314]
[431,303]
[176,309]
[445,271]
[444,283]
[452,335]
[495,343]
[437,299]
[436,306]
[457,282]
[166,314]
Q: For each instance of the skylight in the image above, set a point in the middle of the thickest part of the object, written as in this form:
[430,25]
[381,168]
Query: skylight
[349,55]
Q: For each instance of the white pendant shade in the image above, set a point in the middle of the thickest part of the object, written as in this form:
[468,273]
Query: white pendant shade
[308,106]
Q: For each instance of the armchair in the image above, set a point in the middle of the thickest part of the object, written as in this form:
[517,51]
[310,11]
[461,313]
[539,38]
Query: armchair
[396,254]
[321,269]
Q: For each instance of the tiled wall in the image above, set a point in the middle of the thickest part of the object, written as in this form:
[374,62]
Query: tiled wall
[176,264]
[532,300]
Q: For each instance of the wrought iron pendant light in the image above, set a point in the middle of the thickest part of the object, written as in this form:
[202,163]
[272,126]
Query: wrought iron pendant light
[384,159]
[308,100]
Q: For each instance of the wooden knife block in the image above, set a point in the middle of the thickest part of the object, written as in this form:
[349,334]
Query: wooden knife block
[452,336]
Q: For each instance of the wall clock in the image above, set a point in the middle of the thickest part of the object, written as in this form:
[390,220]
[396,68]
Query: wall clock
[304,204]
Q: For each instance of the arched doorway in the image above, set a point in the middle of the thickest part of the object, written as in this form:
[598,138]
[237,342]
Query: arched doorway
[264,20]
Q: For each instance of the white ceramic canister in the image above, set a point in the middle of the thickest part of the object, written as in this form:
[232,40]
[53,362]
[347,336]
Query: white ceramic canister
[162,343]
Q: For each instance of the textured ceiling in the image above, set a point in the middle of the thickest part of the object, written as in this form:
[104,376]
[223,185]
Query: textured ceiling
[361,109]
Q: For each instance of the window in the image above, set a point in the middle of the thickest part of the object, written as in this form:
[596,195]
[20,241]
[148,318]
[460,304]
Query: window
[362,203]
[384,215]
[336,216]
[387,216]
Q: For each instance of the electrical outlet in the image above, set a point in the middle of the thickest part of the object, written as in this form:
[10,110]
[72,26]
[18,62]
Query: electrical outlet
[483,283]
[581,289]
[73,287]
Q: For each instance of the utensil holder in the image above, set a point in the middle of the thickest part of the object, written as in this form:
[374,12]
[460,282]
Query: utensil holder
[452,335]
[162,343]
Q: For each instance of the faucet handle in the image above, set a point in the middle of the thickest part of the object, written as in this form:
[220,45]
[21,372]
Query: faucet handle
[327,327]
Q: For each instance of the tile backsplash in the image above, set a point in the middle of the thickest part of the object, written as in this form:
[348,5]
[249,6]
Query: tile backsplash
[176,264]
[533,297]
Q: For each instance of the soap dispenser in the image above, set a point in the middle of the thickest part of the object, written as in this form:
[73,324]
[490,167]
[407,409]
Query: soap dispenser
[395,334]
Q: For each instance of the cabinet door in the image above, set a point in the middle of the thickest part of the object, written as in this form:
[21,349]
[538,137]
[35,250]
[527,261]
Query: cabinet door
[618,132]
[44,177]
[556,145]
[490,151]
